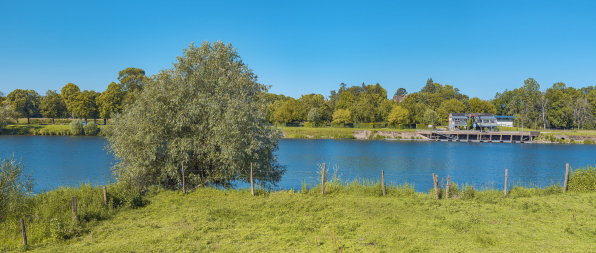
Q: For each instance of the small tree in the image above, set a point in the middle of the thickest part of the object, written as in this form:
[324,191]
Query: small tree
[15,187]
[431,117]
[52,105]
[399,116]
[313,115]
[342,116]
[6,114]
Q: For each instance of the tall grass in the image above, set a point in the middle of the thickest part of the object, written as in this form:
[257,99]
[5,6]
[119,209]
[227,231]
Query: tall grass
[582,180]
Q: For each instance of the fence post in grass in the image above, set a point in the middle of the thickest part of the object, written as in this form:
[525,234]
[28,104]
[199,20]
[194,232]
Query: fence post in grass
[383,181]
[566,177]
[74,208]
[138,186]
[130,182]
[24,232]
[436,184]
[323,180]
[447,188]
[105,196]
[183,185]
[252,183]
[505,190]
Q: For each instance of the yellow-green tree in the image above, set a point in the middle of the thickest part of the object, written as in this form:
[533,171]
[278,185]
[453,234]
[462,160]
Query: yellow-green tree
[110,101]
[24,102]
[69,93]
[451,106]
[52,105]
[482,106]
[132,82]
[399,116]
[342,116]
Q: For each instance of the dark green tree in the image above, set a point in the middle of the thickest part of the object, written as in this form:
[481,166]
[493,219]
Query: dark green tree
[52,105]
[401,91]
[24,102]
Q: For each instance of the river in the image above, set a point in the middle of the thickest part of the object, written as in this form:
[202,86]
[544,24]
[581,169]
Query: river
[62,160]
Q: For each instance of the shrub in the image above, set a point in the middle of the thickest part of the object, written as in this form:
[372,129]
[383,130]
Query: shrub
[316,136]
[76,127]
[91,129]
[15,187]
[298,136]
[588,142]
[582,180]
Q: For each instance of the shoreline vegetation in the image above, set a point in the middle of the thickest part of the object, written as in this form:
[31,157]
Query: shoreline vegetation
[546,136]
[351,216]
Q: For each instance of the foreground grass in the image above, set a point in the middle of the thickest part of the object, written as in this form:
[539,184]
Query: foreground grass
[349,218]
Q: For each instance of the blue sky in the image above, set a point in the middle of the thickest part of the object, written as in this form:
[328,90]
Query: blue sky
[302,47]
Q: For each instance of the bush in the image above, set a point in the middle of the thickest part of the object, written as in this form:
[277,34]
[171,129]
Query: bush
[15,187]
[76,127]
[316,136]
[588,142]
[298,136]
[582,180]
[91,129]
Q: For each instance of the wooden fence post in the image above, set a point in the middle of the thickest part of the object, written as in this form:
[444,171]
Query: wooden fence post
[436,184]
[130,182]
[323,180]
[505,190]
[183,185]
[447,188]
[105,196]
[383,181]
[252,184]
[566,177]
[138,186]
[74,208]
[24,232]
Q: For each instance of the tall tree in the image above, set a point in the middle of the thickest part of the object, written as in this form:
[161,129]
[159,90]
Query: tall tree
[482,106]
[69,93]
[206,111]
[52,105]
[342,116]
[401,91]
[451,106]
[82,105]
[24,102]
[132,82]
[429,87]
[110,101]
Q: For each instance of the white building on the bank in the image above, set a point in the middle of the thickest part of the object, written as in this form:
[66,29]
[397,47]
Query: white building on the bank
[506,121]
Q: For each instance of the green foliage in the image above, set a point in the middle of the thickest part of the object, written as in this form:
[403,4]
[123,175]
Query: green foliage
[15,188]
[582,180]
[76,127]
[431,117]
[342,116]
[206,111]
[482,106]
[7,114]
[91,129]
[52,105]
[70,93]
[399,116]
[316,136]
[24,102]
[132,83]
[298,136]
[110,101]
[588,142]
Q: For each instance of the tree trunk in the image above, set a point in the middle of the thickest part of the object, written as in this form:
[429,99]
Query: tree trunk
[104,122]
[27,120]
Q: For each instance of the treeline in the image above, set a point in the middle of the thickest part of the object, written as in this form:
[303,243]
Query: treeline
[70,101]
[558,107]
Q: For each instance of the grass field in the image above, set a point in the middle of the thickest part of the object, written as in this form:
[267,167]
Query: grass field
[352,217]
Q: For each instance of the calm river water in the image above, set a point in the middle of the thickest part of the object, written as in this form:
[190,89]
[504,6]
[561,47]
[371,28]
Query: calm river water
[59,161]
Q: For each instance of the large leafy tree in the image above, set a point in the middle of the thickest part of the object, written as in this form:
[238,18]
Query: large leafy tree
[52,105]
[7,113]
[110,101]
[482,106]
[342,116]
[24,102]
[69,94]
[132,82]
[208,111]
[451,106]
[399,116]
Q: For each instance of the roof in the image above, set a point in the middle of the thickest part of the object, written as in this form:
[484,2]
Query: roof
[504,117]
[459,114]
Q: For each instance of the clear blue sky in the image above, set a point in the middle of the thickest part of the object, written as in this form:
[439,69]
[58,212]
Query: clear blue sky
[300,47]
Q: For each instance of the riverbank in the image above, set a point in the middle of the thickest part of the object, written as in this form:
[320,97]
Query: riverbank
[350,217]
[60,129]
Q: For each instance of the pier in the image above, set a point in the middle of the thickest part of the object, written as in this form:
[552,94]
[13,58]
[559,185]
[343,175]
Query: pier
[480,136]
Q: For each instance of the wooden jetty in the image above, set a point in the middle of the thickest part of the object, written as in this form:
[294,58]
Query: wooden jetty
[480,136]
[477,136]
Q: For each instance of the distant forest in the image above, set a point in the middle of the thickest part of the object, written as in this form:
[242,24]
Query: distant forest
[558,107]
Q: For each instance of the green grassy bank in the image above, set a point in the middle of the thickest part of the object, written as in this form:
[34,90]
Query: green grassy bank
[39,129]
[351,217]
